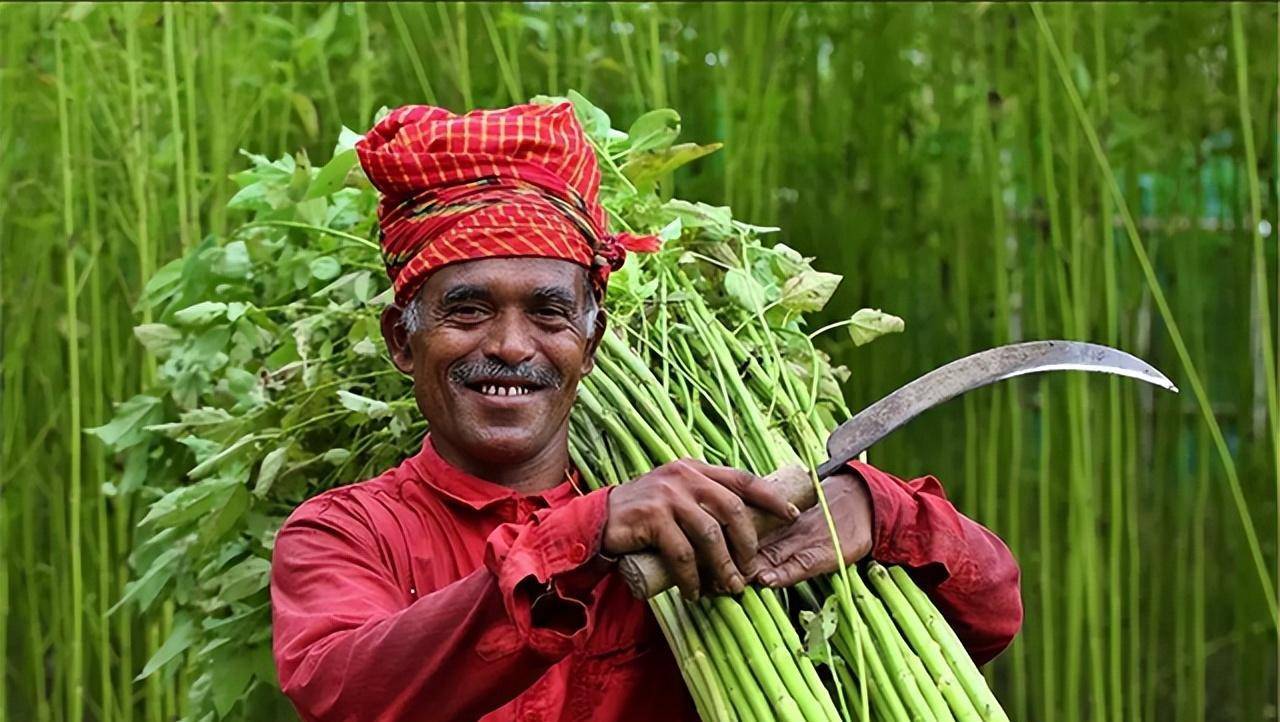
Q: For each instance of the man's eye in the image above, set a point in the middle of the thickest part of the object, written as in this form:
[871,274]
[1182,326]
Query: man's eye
[551,312]
[466,311]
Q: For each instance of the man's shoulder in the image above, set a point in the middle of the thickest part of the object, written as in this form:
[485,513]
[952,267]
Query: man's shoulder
[350,500]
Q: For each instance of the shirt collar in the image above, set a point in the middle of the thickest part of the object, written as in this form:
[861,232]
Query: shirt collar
[472,491]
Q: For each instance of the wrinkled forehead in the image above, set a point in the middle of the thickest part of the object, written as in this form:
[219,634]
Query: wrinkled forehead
[513,279]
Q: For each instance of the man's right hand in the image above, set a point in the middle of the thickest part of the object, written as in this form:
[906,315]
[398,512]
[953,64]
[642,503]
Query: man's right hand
[694,515]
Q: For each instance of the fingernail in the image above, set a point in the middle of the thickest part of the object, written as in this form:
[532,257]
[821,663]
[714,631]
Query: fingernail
[793,511]
[735,584]
[768,579]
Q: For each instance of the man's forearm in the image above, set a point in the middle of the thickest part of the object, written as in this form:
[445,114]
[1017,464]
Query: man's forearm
[965,569]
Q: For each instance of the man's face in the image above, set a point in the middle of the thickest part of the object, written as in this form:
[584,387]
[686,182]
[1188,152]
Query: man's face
[496,362]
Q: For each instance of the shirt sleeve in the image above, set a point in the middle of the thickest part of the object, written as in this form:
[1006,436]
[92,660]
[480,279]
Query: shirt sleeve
[349,646]
[965,569]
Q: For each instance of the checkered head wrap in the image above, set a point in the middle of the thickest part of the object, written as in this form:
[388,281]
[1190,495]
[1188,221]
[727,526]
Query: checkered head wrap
[519,181]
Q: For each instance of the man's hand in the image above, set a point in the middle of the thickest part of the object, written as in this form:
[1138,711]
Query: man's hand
[695,516]
[803,549]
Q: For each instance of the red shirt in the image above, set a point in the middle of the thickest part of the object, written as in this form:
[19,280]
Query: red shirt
[430,594]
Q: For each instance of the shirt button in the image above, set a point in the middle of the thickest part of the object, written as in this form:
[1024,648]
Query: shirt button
[578,553]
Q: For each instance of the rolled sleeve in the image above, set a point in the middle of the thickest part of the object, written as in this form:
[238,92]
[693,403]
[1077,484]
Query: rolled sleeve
[547,572]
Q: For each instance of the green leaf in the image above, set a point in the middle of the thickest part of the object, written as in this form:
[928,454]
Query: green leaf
[224,517]
[788,261]
[372,408]
[868,324]
[201,313]
[332,176]
[272,463]
[233,261]
[644,169]
[188,502]
[158,339]
[595,122]
[744,289]
[655,130]
[671,231]
[243,579]
[183,635]
[306,114]
[335,456]
[144,589]
[346,141]
[809,291]
[128,426]
[325,268]
[716,220]
[818,630]
[230,676]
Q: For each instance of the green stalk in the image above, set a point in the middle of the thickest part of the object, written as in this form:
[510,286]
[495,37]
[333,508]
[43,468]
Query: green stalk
[885,637]
[753,703]
[716,693]
[75,683]
[411,50]
[630,449]
[938,709]
[851,634]
[175,127]
[624,411]
[792,641]
[953,651]
[663,607]
[1115,432]
[1262,298]
[758,659]
[722,659]
[780,656]
[930,651]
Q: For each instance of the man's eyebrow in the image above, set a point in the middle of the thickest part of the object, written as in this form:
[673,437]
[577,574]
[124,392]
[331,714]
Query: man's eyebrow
[555,294]
[463,293]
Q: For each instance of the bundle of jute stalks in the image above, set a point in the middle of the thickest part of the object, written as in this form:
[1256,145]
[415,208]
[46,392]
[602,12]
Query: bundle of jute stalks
[708,357]
[876,648]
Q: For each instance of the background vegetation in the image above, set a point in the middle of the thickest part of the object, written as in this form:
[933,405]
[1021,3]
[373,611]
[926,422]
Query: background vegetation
[989,173]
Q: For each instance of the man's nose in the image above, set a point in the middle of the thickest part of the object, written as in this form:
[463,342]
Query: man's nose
[510,339]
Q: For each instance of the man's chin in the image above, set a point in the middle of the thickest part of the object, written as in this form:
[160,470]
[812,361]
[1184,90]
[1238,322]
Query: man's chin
[505,446]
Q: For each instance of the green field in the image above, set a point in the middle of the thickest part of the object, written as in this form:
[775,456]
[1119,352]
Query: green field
[989,173]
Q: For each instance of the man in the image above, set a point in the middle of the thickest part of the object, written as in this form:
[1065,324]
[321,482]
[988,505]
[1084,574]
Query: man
[475,580]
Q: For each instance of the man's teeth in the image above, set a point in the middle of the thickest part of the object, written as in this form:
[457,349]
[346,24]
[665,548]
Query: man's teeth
[494,390]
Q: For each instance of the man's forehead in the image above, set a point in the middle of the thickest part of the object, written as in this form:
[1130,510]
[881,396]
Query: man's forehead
[547,277]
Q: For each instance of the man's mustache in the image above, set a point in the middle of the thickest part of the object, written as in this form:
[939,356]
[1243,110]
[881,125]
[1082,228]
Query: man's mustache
[468,372]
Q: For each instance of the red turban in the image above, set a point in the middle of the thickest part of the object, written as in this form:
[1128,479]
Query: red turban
[519,181]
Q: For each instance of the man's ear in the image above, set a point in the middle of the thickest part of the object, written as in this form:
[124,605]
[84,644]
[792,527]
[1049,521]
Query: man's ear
[397,339]
[593,343]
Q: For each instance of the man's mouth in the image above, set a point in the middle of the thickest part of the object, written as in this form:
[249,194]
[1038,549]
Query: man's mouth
[502,389]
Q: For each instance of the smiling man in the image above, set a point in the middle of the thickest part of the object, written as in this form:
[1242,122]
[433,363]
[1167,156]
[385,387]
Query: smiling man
[476,580]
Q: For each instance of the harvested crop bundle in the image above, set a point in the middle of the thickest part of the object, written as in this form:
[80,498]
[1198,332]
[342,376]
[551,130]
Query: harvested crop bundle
[274,387]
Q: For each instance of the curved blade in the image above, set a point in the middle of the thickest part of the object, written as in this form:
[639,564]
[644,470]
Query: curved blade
[985,367]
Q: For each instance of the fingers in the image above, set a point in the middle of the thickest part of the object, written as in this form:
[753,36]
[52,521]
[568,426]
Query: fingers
[751,488]
[782,544]
[677,553]
[731,511]
[806,563]
[707,537]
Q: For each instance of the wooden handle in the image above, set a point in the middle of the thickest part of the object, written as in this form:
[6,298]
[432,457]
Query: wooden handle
[647,576]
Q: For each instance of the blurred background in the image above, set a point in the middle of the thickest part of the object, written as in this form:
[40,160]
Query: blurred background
[1107,175]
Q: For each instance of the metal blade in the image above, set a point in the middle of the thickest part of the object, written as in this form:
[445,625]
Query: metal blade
[985,367]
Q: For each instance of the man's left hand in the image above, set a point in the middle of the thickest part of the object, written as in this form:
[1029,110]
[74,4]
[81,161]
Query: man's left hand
[803,549]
